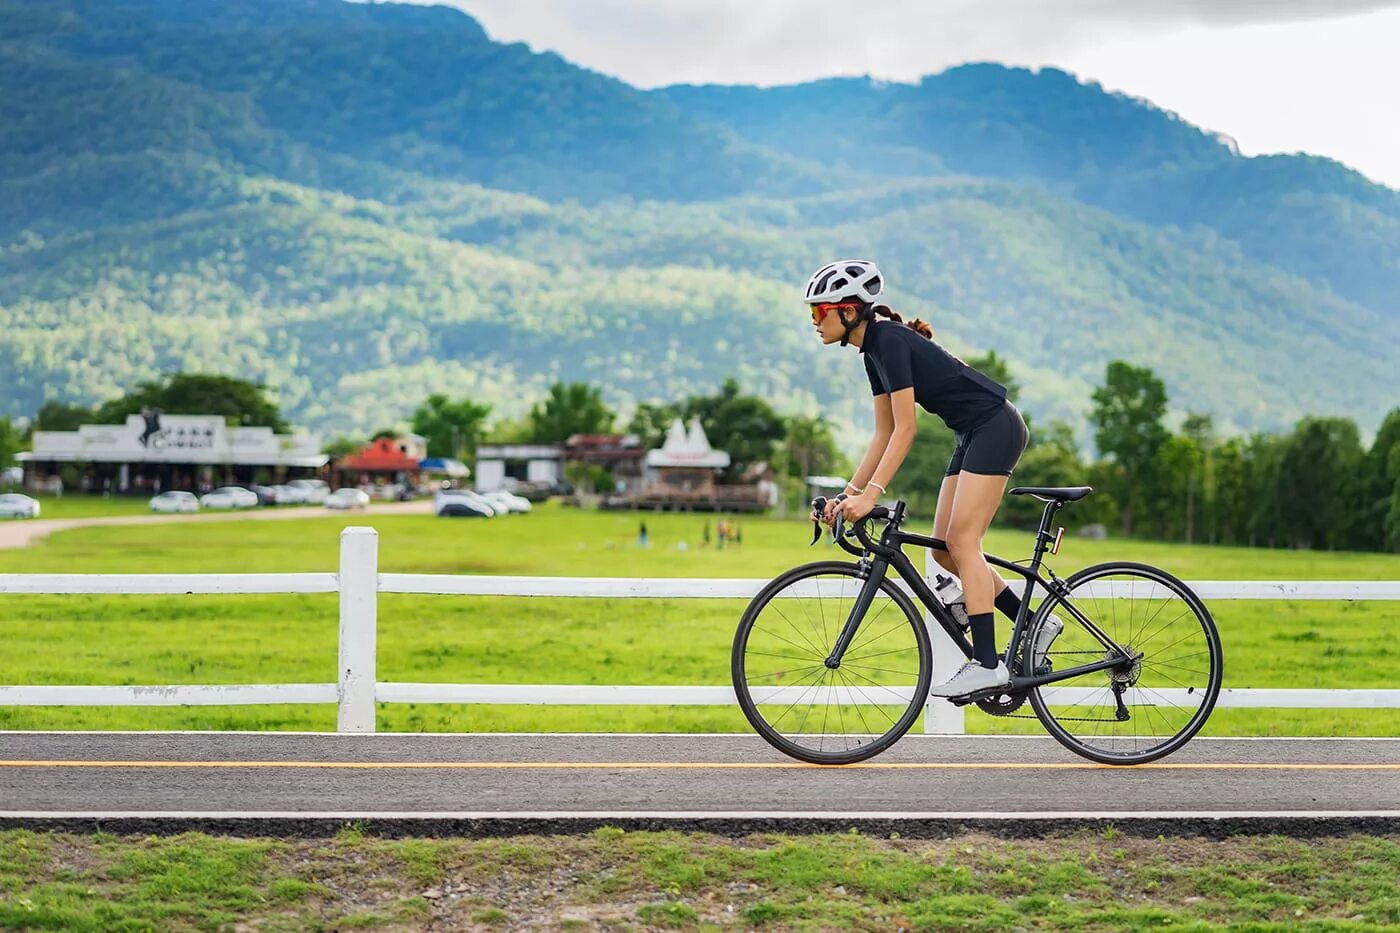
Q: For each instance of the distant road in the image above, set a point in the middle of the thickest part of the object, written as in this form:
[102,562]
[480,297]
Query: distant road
[483,784]
[17,533]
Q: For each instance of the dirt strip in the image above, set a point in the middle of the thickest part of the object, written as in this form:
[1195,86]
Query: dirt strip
[19,534]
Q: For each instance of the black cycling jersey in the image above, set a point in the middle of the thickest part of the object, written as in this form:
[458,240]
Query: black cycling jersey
[899,357]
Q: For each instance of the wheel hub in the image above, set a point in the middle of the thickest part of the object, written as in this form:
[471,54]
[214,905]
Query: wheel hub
[1127,676]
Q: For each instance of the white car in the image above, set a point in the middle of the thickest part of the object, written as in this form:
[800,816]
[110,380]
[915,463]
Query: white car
[18,505]
[290,495]
[503,501]
[347,497]
[472,500]
[229,497]
[316,489]
[175,500]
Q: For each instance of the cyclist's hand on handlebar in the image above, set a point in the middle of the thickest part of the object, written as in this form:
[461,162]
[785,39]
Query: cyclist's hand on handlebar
[855,508]
[833,505]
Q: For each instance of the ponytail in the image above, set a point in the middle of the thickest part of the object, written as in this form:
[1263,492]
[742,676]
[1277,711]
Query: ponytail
[915,325]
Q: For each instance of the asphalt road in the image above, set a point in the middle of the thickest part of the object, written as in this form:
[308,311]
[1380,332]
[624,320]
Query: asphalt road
[573,782]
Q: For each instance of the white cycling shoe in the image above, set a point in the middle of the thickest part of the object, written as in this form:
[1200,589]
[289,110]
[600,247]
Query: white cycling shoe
[972,677]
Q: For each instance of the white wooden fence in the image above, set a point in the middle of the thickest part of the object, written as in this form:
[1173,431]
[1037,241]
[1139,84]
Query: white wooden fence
[357,687]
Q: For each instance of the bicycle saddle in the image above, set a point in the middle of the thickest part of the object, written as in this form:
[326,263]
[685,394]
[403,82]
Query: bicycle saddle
[1060,493]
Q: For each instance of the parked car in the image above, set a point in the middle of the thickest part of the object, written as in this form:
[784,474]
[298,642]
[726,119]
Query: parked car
[265,494]
[175,500]
[287,494]
[453,503]
[347,497]
[18,505]
[503,501]
[316,489]
[229,497]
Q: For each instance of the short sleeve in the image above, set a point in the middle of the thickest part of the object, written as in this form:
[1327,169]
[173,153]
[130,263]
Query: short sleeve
[897,363]
[877,382]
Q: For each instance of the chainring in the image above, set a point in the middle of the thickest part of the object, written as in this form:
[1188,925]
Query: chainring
[1002,704]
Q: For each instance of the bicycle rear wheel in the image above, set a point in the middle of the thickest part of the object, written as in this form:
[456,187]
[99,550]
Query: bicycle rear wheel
[830,715]
[1147,708]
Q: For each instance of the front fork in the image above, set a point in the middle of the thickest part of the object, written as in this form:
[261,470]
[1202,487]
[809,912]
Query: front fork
[873,580]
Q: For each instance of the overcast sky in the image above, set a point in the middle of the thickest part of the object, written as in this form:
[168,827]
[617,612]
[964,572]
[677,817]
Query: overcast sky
[1319,76]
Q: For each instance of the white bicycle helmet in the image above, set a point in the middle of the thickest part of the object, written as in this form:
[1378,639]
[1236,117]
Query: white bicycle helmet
[845,280]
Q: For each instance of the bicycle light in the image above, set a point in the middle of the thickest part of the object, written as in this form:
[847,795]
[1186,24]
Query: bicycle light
[1059,536]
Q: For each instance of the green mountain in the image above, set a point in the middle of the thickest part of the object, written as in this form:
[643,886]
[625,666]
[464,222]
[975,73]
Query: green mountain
[360,204]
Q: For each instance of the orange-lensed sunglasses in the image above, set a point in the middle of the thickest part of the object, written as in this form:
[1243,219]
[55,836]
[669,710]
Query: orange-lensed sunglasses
[820,311]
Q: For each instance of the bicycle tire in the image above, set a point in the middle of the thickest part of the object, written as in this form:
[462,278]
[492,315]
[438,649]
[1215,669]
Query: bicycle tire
[775,736]
[1211,641]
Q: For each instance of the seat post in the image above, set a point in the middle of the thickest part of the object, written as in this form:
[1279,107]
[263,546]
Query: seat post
[1042,535]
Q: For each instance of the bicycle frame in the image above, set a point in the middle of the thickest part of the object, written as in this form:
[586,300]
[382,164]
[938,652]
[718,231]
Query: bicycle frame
[879,557]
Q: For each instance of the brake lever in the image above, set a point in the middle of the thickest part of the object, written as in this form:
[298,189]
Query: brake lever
[818,508]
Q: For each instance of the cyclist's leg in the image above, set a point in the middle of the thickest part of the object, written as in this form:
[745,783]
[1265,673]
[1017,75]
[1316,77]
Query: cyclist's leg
[940,521]
[991,455]
[977,499]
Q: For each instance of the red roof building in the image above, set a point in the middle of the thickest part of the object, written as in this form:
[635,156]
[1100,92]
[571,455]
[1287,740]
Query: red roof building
[387,455]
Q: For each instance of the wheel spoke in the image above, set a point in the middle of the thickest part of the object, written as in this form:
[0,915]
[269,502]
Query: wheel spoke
[1154,727]
[841,714]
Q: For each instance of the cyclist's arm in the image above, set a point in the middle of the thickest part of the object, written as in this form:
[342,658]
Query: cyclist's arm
[903,426]
[884,428]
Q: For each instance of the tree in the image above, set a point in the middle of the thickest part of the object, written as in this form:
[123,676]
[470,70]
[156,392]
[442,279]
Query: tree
[1316,479]
[1392,518]
[1127,417]
[62,416]
[11,441]
[809,447]
[1180,461]
[1229,515]
[342,447]
[1376,487]
[1268,513]
[240,401]
[576,408]
[452,429]
[1200,429]
[650,421]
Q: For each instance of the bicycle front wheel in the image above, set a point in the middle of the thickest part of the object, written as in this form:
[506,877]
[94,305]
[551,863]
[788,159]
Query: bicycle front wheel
[817,713]
[1148,707]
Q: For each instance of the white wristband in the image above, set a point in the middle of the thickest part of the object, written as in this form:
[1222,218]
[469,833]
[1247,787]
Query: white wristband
[878,486]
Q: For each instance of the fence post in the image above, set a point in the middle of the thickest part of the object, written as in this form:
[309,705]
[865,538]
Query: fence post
[940,716]
[358,581]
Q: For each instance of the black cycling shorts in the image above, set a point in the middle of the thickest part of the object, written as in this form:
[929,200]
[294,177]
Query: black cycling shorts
[993,447]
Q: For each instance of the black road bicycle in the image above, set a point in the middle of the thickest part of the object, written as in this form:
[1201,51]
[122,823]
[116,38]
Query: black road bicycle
[832,661]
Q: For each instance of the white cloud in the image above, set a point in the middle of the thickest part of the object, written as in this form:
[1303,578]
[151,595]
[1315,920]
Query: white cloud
[1277,75]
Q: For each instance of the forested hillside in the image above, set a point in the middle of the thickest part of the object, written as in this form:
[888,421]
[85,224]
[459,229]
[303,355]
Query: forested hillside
[363,204]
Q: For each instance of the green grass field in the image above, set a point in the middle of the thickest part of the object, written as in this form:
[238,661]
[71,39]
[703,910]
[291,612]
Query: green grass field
[647,880]
[286,639]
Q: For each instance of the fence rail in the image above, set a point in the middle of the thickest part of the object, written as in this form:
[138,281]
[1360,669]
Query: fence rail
[359,584]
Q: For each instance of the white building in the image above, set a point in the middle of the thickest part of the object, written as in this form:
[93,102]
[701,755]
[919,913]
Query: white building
[499,466]
[155,450]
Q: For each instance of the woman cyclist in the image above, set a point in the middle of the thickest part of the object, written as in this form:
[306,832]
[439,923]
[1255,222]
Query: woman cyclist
[905,365]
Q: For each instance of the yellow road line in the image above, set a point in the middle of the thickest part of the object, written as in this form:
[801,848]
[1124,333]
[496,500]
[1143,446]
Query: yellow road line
[693,765]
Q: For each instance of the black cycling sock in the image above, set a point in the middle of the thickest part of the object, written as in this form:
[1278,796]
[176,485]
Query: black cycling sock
[984,634]
[1008,603]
